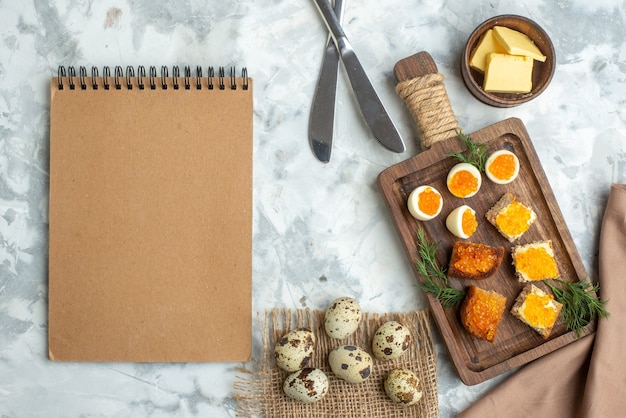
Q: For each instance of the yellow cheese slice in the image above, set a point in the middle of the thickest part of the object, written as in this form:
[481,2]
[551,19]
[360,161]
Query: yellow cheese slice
[486,45]
[508,74]
[517,43]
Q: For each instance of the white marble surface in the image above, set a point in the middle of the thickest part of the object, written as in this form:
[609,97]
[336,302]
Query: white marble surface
[320,231]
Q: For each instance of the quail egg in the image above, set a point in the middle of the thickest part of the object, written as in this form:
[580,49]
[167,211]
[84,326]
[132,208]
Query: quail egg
[390,341]
[403,387]
[342,318]
[425,203]
[306,385]
[350,363]
[295,349]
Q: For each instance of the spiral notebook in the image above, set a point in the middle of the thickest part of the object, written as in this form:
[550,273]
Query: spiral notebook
[150,239]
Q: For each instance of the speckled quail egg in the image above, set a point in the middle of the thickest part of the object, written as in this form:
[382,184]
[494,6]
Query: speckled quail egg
[390,341]
[403,387]
[306,385]
[502,167]
[350,363]
[294,350]
[425,203]
[464,180]
[342,318]
[462,222]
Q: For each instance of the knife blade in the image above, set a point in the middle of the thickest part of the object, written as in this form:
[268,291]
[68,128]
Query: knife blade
[322,117]
[372,109]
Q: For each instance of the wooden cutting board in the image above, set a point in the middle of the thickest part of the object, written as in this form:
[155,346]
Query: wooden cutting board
[516,343]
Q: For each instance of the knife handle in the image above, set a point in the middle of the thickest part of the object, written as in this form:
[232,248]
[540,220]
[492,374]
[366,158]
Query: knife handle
[322,117]
[372,109]
[330,18]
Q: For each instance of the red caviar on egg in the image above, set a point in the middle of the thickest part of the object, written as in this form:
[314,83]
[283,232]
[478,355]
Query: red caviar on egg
[502,167]
[425,203]
[464,180]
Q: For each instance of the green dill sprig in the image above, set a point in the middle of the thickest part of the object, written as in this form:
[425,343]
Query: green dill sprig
[580,306]
[435,279]
[477,152]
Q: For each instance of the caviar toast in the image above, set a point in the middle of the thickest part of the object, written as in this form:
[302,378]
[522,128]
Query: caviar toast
[535,261]
[474,261]
[537,309]
[511,217]
[481,312]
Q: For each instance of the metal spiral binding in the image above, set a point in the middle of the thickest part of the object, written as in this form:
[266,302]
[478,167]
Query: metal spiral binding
[70,76]
[94,78]
[130,75]
[118,74]
[211,75]
[106,73]
[82,75]
[141,74]
[128,79]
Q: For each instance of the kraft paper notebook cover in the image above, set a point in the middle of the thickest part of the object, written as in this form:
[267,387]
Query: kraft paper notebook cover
[150,242]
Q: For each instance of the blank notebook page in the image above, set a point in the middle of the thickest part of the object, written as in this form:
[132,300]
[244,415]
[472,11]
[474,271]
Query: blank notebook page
[150,222]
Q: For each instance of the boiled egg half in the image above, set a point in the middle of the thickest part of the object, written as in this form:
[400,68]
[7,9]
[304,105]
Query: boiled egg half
[502,167]
[462,222]
[425,203]
[464,180]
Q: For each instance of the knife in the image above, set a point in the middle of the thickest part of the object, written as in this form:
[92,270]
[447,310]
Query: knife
[322,118]
[372,108]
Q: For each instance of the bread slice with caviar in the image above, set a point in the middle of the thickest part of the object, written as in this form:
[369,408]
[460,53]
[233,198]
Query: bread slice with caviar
[474,261]
[537,309]
[535,261]
[481,312]
[511,217]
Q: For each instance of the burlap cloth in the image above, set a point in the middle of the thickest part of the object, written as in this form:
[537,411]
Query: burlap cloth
[258,386]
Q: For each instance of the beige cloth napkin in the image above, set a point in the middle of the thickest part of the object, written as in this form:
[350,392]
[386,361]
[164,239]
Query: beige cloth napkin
[586,378]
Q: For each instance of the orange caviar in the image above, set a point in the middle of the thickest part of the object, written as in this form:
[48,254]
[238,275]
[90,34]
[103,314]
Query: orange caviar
[503,167]
[429,201]
[537,264]
[473,259]
[482,312]
[514,220]
[538,310]
[468,222]
[463,183]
